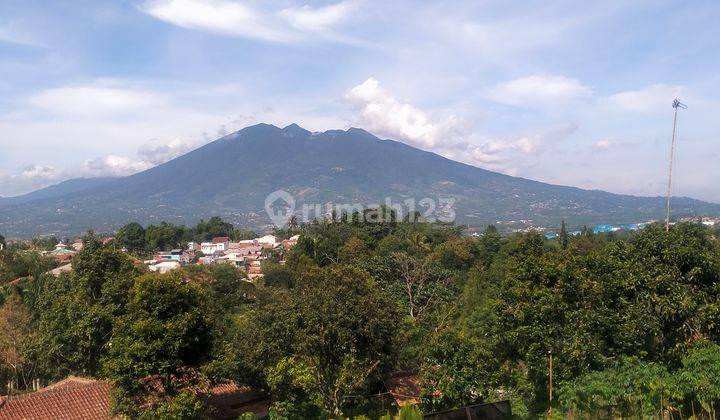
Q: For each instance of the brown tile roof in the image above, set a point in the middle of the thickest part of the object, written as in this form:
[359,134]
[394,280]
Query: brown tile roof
[72,398]
[220,239]
[230,400]
[85,398]
[404,387]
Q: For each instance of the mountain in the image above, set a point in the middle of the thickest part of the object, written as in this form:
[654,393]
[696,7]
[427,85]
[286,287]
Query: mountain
[66,187]
[232,176]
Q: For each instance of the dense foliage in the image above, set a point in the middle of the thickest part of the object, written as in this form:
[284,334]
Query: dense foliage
[632,321]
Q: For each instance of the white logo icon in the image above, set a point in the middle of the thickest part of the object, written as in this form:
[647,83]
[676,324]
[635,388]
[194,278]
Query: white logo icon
[280,214]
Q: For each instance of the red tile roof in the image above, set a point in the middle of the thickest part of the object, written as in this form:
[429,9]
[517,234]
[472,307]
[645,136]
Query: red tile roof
[230,400]
[72,398]
[220,239]
[85,398]
[404,387]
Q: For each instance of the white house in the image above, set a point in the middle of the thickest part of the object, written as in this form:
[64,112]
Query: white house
[164,266]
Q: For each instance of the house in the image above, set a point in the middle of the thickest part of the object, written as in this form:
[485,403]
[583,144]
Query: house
[174,255]
[62,253]
[62,269]
[404,386]
[290,242]
[267,241]
[87,398]
[71,398]
[220,243]
[164,267]
[237,259]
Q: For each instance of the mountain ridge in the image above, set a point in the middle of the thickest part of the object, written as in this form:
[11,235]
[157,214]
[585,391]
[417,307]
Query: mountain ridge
[232,175]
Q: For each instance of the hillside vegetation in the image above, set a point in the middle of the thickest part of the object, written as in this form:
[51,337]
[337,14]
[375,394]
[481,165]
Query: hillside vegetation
[632,321]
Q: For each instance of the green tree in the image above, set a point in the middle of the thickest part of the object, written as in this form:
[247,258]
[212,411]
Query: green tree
[336,321]
[76,310]
[164,236]
[295,390]
[160,343]
[456,372]
[699,377]
[17,333]
[214,227]
[132,237]
[563,237]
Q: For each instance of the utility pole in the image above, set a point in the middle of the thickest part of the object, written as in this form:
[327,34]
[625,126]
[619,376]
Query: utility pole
[550,383]
[676,104]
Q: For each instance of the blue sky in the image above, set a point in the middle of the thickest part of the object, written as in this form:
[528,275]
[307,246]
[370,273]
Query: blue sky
[567,92]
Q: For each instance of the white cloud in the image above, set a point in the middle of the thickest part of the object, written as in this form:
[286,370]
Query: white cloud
[112,165]
[30,178]
[508,154]
[307,18]
[93,100]
[606,144]
[40,172]
[245,19]
[385,115]
[156,152]
[539,91]
[649,100]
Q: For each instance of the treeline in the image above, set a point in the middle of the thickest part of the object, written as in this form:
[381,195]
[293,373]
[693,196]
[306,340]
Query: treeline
[166,236]
[20,260]
[632,323]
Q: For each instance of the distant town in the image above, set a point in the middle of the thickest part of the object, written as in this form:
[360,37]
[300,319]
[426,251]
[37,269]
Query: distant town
[247,255]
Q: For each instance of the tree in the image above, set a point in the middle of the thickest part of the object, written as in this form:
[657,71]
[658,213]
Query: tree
[160,343]
[336,322]
[354,250]
[164,236]
[132,237]
[295,390]
[76,310]
[632,388]
[456,372]
[16,334]
[214,227]
[276,275]
[699,377]
[563,237]
[423,286]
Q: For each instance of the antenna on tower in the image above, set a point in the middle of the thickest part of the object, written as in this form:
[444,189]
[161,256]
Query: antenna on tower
[676,104]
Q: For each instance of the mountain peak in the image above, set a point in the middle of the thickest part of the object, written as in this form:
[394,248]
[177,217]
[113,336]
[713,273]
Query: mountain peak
[360,132]
[295,130]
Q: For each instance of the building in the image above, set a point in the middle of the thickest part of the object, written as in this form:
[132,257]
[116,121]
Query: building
[164,267]
[290,242]
[78,245]
[62,269]
[87,398]
[71,398]
[267,241]
[62,253]
[220,243]
[175,255]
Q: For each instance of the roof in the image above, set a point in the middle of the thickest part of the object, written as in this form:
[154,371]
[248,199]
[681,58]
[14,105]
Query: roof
[71,398]
[220,239]
[230,400]
[86,398]
[404,387]
[61,269]
[267,239]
